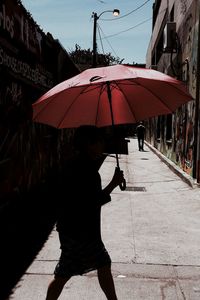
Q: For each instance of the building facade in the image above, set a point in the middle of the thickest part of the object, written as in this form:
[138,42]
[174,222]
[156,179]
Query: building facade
[31,62]
[174,49]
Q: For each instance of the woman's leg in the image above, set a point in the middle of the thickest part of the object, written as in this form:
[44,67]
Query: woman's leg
[106,282]
[55,288]
[138,143]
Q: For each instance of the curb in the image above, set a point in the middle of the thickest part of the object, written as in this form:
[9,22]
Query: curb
[178,171]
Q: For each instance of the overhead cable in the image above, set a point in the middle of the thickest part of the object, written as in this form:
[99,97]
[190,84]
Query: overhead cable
[114,19]
[137,25]
[105,37]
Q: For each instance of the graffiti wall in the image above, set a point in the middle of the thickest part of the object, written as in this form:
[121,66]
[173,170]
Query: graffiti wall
[184,121]
[31,62]
[181,64]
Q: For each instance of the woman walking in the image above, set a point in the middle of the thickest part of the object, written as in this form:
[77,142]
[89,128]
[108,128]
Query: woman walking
[79,218]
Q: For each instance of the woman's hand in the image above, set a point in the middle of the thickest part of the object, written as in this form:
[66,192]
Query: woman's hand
[118,177]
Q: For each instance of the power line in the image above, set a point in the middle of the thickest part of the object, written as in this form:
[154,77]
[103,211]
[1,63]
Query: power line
[102,1]
[107,40]
[114,19]
[106,37]
[112,35]
[137,25]
[98,27]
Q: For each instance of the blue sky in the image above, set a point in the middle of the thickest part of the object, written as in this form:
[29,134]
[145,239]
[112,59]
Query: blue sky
[71,22]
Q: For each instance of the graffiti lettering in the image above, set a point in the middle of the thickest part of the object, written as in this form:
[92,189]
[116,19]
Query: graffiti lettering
[22,68]
[15,91]
[183,6]
[6,22]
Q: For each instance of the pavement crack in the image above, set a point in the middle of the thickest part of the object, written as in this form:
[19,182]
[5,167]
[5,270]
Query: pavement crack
[179,284]
[131,203]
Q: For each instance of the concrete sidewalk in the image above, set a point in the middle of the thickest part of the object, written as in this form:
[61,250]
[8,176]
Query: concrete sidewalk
[151,230]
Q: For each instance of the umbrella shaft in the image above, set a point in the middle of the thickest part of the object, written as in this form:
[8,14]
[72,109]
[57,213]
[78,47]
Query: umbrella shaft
[111,112]
[117,159]
[110,102]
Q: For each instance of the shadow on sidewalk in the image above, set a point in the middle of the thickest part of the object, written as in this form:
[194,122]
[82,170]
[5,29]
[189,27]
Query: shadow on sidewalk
[26,221]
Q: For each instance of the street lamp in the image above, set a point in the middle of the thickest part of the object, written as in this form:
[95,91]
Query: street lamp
[115,12]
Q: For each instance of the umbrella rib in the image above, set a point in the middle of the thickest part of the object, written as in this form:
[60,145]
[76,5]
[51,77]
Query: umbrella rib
[126,100]
[154,94]
[50,100]
[101,92]
[66,112]
[175,87]
[43,108]
[55,95]
[165,82]
[91,88]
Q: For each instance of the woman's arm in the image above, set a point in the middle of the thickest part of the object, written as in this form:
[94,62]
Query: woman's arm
[117,179]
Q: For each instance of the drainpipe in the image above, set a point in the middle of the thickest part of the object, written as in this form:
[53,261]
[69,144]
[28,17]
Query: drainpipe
[196,153]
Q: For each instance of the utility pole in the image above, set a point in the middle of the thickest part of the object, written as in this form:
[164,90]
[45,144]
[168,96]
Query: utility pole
[115,12]
[94,53]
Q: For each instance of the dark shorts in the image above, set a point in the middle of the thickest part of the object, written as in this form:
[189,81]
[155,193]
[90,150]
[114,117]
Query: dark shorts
[78,257]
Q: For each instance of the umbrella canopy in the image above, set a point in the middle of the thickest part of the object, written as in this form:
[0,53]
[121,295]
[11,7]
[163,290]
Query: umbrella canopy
[137,94]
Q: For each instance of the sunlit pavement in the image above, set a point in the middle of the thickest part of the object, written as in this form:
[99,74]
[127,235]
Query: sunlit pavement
[151,230]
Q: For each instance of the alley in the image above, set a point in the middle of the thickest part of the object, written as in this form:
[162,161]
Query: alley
[151,230]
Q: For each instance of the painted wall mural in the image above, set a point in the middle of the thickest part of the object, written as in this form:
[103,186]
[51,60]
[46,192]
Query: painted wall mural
[180,148]
[185,117]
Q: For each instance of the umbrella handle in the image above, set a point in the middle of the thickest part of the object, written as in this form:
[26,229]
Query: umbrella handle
[123,185]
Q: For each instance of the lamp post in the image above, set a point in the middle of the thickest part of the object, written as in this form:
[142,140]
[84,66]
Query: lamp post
[115,12]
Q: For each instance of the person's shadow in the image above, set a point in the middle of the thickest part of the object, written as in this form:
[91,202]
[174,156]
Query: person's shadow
[26,220]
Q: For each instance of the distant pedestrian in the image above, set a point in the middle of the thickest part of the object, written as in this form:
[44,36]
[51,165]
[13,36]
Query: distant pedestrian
[140,129]
[79,218]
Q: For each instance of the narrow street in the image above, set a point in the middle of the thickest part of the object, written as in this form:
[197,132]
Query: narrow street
[151,230]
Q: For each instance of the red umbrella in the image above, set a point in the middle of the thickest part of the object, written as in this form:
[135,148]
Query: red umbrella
[137,94]
[111,95]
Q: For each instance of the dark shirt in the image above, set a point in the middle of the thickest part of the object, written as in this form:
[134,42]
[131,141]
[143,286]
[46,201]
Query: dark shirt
[140,131]
[80,207]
